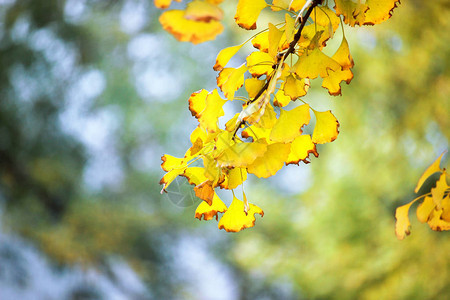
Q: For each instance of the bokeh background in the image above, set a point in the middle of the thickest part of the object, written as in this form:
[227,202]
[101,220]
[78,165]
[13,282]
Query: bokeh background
[92,93]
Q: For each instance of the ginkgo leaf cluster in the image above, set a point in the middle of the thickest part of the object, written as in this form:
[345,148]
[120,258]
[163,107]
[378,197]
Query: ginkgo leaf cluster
[435,207]
[275,127]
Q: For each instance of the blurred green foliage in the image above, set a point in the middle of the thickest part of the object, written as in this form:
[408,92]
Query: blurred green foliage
[333,240]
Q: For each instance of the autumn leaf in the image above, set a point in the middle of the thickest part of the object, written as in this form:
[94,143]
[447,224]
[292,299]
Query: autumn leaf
[289,124]
[259,63]
[326,129]
[209,211]
[402,226]
[248,12]
[241,154]
[236,219]
[233,81]
[163,3]
[225,55]
[301,147]
[315,64]
[428,172]
[208,118]
[233,178]
[334,79]
[200,10]
[271,162]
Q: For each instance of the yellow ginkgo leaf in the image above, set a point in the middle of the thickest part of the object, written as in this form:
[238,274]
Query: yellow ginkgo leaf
[352,11]
[325,17]
[230,125]
[271,162]
[429,171]
[234,81]
[208,118]
[256,133]
[223,76]
[343,56]
[326,129]
[235,218]
[424,209]
[379,11]
[205,191]
[210,211]
[170,177]
[241,154]
[281,99]
[296,5]
[234,178]
[315,63]
[294,87]
[334,79]
[197,103]
[301,147]
[200,10]
[289,124]
[225,55]
[436,223]
[261,41]
[253,86]
[274,40]
[446,208]
[402,225]
[185,30]
[248,12]
[268,118]
[212,171]
[163,4]
[170,162]
[259,63]
[437,192]
[195,175]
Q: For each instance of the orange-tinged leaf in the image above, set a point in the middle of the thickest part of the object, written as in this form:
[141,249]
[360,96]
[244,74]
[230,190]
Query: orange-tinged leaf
[208,212]
[402,226]
[446,208]
[185,30]
[170,162]
[200,10]
[259,63]
[234,178]
[197,103]
[314,64]
[438,192]
[170,176]
[208,118]
[234,81]
[235,218]
[241,154]
[424,209]
[274,40]
[294,87]
[271,162]
[334,79]
[205,191]
[223,76]
[343,56]
[428,172]
[163,3]
[301,147]
[436,223]
[326,129]
[253,86]
[281,99]
[248,12]
[289,124]
[225,55]
[261,41]
[256,133]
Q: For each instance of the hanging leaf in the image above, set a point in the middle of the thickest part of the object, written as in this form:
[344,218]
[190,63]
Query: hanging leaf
[248,12]
[236,219]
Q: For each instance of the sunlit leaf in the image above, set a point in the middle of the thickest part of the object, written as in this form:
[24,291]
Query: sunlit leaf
[235,218]
[197,103]
[271,162]
[163,3]
[301,147]
[437,192]
[225,55]
[274,39]
[326,129]
[200,10]
[334,79]
[259,63]
[294,87]
[261,41]
[424,209]
[402,226]
[281,99]
[234,81]
[289,28]
[208,118]
[234,178]
[436,223]
[185,30]
[205,191]
[241,154]
[248,12]
[253,86]
[325,17]
[343,56]
[428,172]
[379,11]
[315,63]
[289,124]
[195,175]
[207,211]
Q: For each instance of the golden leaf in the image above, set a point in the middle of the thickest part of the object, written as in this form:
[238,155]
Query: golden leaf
[261,41]
[241,154]
[436,222]
[402,224]
[210,211]
[424,209]
[334,79]
[325,17]
[195,175]
[294,87]
[437,192]
[185,30]
[200,10]
[274,40]
[205,191]
[233,178]
[301,147]
[326,129]
[281,99]
[253,86]
[259,63]
[234,81]
[248,12]
[271,162]
[235,218]
[314,64]
[343,56]
[163,3]
[289,124]
[208,118]
[225,55]
[429,171]
[197,103]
